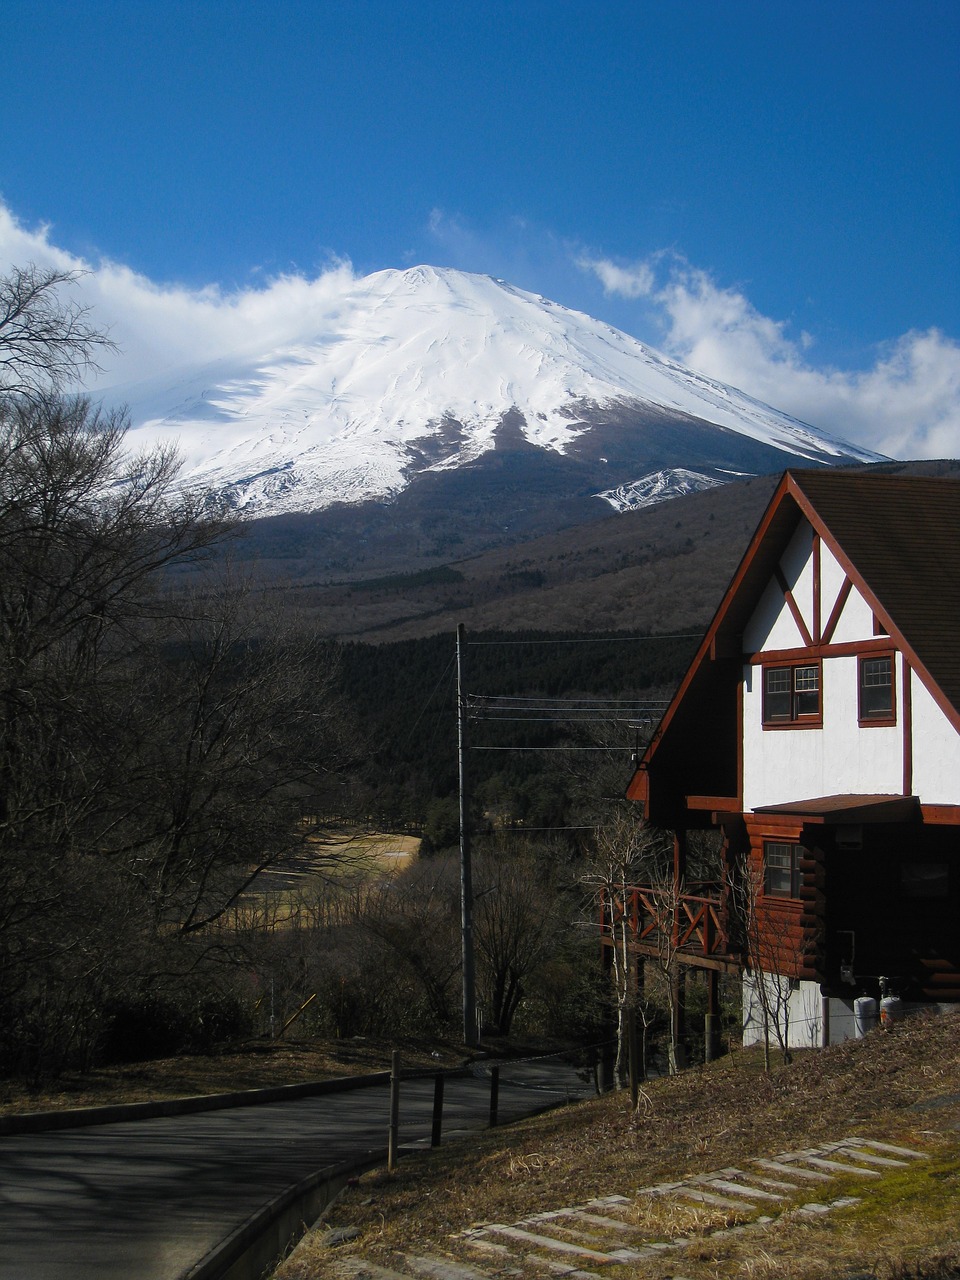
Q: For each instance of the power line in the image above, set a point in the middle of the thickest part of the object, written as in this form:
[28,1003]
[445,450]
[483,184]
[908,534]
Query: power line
[691,635]
[519,831]
[630,749]
[511,699]
[563,719]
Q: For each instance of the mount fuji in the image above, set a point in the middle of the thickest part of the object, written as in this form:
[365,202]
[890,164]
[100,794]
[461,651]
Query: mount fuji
[415,376]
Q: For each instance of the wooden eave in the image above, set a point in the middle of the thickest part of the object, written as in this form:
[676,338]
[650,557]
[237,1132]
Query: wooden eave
[941,814]
[719,804]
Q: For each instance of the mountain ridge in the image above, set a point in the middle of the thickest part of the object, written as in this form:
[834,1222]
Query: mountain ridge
[418,373]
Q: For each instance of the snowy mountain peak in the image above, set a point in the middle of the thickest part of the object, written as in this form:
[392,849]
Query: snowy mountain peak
[430,369]
[420,277]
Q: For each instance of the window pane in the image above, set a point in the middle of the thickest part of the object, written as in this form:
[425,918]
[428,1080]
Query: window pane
[776,693]
[779,862]
[876,671]
[790,693]
[807,684]
[876,686]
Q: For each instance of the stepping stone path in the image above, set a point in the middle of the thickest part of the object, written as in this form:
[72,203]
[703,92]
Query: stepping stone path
[574,1242]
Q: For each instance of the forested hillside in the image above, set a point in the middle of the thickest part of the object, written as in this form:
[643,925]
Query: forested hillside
[548,712]
[658,570]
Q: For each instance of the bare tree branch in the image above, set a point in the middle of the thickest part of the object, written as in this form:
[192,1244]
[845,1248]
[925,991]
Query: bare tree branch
[46,342]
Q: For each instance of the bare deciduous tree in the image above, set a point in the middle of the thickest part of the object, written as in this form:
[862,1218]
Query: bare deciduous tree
[770,945]
[234,722]
[83,534]
[629,854]
[155,750]
[416,913]
[46,341]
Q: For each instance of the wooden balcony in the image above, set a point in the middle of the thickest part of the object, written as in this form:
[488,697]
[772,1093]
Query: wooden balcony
[694,926]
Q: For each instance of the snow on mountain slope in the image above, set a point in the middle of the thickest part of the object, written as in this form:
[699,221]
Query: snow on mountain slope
[414,371]
[660,486]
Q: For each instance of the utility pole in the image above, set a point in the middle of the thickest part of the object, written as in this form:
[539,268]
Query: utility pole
[470,1030]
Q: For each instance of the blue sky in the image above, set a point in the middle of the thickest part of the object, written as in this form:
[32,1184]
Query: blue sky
[768,189]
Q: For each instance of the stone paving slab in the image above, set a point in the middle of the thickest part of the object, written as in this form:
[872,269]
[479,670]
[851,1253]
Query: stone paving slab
[610,1240]
[782,1166]
[599,1234]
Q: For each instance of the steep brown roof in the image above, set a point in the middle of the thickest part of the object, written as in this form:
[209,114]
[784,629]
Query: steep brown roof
[899,539]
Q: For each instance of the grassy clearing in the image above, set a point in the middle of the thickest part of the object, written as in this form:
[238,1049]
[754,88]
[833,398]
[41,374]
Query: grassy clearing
[281,895]
[282,891]
[902,1086]
[926,1196]
[376,849]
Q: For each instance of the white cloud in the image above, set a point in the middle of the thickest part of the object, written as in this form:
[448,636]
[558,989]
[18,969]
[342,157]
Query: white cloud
[160,327]
[633,281]
[906,405]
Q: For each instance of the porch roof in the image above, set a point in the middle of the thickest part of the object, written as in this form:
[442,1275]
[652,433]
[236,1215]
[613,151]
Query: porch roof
[848,809]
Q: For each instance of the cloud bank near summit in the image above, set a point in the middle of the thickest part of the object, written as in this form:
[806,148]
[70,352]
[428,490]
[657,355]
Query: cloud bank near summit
[907,404]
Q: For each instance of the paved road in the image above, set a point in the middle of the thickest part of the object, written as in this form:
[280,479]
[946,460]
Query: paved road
[147,1199]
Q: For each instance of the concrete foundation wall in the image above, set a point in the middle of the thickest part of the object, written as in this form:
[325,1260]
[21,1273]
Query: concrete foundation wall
[797,1007]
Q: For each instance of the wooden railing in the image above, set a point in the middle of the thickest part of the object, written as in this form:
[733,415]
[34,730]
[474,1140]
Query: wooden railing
[695,923]
[701,925]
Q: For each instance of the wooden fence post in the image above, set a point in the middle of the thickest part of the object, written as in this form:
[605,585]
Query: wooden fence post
[494,1095]
[711,1021]
[394,1130]
[437,1110]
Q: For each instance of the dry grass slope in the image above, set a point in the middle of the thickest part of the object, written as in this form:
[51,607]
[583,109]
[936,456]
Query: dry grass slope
[897,1087]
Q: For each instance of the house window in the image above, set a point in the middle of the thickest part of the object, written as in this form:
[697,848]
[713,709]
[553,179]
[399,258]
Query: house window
[791,695]
[781,869]
[876,690]
[925,880]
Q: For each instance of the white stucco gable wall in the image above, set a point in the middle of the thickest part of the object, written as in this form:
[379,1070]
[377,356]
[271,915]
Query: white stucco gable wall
[936,750]
[772,625]
[856,620]
[797,763]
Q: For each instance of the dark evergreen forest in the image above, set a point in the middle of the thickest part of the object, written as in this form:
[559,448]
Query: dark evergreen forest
[545,710]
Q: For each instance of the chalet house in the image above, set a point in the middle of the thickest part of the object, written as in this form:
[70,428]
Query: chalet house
[817,731]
